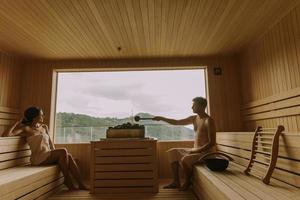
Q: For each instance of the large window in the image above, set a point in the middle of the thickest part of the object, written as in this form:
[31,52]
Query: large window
[89,102]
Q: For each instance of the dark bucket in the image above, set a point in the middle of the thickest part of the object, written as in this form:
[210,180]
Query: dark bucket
[216,164]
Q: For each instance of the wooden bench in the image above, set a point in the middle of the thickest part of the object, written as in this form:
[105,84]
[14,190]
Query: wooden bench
[234,184]
[19,180]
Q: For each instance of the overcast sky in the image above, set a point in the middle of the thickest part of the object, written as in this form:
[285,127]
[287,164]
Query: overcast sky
[121,94]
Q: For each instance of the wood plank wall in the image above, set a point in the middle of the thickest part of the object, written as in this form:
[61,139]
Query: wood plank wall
[223,90]
[270,74]
[10,87]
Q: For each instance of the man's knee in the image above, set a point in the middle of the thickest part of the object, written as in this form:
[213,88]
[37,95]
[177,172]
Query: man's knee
[70,156]
[187,161]
[172,150]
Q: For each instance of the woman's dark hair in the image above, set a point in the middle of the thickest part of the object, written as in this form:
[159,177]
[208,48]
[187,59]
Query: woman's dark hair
[31,113]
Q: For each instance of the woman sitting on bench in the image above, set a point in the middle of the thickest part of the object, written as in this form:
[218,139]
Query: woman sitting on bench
[42,148]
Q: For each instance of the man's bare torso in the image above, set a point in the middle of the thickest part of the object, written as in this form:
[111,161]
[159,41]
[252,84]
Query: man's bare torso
[203,133]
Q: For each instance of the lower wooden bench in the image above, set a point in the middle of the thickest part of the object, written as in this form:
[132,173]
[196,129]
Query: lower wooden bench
[20,180]
[233,184]
[29,182]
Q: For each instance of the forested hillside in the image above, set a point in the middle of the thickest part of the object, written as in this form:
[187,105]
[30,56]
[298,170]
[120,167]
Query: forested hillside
[71,127]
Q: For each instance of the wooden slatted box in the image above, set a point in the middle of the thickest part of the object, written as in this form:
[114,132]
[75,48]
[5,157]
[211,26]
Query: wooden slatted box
[124,166]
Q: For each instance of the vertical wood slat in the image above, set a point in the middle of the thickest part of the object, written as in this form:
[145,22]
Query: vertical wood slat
[10,83]
[92,168]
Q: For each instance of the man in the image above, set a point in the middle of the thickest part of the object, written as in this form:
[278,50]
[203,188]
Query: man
[205,142]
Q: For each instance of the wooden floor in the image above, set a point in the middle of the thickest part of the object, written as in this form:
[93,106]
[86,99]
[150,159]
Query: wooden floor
[163,195]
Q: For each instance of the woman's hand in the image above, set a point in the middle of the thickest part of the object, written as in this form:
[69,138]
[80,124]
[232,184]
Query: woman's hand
[15,129]
[19,121]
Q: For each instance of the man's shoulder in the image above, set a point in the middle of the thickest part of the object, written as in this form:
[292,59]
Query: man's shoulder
[209,119]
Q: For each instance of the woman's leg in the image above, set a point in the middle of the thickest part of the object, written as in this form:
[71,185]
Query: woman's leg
[76,173]
[60,156]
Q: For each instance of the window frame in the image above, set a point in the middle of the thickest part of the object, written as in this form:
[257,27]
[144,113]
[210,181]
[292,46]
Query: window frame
[55,72]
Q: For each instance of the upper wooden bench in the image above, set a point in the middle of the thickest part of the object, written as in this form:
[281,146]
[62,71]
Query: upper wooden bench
[234,184]
[18,179]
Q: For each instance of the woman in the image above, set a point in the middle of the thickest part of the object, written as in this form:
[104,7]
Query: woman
[42,148]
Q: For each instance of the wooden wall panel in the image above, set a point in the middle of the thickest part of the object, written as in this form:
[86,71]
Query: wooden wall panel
[223,90]
[10,86]
[270,76]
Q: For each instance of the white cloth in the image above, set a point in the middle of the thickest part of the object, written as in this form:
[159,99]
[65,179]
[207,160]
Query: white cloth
[182,155]
[40,148]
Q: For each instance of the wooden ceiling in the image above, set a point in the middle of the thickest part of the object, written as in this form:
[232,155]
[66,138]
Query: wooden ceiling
[66,29]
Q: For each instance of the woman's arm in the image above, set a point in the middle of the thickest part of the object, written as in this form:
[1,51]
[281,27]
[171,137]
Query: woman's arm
[15,129]
[186,121]
[52,147]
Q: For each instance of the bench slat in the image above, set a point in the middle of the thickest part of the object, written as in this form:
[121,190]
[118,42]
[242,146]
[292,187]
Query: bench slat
[204,178]
[9,116]
[45,189]
[18,192]
[211,184]
[14,155]
[124,167]
[288,161]
[9,109]
[26,182]
[15,162]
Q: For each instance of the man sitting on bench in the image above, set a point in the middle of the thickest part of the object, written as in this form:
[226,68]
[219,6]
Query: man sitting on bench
[205,142]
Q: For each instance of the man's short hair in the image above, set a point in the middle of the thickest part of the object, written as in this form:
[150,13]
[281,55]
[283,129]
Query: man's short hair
[200,101]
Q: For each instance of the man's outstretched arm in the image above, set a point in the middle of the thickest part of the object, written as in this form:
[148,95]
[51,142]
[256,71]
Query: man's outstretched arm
[186,121]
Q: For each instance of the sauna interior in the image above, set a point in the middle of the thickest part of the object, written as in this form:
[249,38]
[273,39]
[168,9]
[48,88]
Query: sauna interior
[248,50]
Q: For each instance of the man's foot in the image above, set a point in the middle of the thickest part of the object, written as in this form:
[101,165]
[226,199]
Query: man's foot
[70,185]
[172,185]
[83,187]
[185,186]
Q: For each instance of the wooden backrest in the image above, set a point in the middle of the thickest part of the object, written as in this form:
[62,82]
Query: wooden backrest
[239,145]
[265,145]
[14,151]
[8,116]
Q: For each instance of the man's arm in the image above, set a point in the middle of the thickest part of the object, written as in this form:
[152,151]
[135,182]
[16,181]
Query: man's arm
[186,121]
[14,130]
[211,131]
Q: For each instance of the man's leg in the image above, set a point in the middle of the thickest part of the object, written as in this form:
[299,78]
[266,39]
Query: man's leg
[187,176]
[187,163]
[174,156]
[176,179]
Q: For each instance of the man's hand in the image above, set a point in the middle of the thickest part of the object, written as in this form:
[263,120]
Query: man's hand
[157,118]
[194,150]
